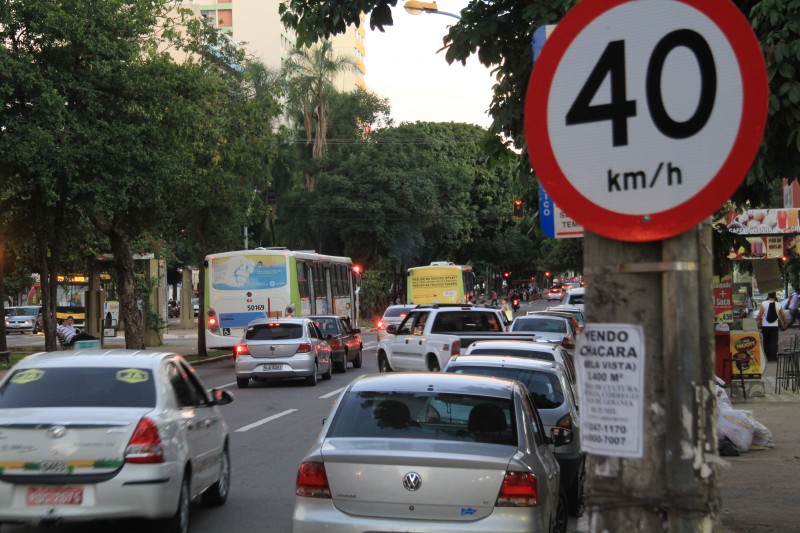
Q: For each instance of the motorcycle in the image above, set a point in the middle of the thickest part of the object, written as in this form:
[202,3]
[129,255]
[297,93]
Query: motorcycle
[515,304]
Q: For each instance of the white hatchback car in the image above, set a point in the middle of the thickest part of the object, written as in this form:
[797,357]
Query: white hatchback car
[101,434]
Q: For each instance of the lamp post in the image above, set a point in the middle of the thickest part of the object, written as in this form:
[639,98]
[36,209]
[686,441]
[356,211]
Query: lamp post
[415,8]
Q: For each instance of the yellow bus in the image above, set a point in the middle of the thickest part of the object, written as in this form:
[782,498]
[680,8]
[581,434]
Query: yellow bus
[441,282]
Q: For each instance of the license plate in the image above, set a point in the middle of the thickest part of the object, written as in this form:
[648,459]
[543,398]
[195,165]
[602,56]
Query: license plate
[273,367]
[53,467]
[68,495]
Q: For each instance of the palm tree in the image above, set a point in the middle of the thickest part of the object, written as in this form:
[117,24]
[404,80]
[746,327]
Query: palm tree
[310,73]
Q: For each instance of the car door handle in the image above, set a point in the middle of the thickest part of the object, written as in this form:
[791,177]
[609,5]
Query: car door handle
[207,422]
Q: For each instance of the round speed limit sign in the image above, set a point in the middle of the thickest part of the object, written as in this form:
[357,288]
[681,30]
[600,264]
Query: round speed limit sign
[643,116]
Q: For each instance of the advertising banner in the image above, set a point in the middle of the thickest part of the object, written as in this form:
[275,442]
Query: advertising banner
[767,247]
[723,299]
[762,221]
[747,354]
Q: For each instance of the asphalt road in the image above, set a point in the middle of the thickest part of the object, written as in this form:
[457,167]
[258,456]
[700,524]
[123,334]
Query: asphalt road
[272,425]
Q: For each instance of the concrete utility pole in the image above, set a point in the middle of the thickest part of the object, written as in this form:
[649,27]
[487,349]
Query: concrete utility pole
[664,286]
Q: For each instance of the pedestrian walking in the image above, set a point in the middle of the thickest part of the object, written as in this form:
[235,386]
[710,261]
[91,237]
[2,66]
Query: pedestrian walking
[793,305]
[507,310]
[494,298]
[770,317]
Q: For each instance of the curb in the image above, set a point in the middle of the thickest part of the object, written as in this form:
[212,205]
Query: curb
[202,362]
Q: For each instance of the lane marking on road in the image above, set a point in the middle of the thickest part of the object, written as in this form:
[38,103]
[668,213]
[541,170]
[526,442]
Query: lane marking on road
[332,393]
[248,427]
[223,386]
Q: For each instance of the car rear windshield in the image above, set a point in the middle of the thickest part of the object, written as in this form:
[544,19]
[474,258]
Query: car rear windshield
[544,387]
[433,416]
[78,387]
[392,312]
[541,324]
[274,332]
[533,354]
[328,326]
[575,299]
[466,321]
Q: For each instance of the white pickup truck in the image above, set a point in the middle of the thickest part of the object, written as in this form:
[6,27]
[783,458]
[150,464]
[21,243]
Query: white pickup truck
[431,334]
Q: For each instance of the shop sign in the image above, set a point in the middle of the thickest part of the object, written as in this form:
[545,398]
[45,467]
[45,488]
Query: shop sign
[723,299]
[746,354]
[762,221]
[767,247]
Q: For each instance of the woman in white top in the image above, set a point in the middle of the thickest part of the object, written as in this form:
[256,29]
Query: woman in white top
[769,328]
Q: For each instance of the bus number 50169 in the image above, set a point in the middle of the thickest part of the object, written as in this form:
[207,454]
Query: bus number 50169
[255,307]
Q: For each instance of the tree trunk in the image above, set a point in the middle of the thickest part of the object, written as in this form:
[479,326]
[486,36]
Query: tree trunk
[48,282]
[201,290]
[129,311]
[3,343]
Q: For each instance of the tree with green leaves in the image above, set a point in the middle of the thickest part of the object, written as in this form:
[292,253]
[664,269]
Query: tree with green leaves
[309,74]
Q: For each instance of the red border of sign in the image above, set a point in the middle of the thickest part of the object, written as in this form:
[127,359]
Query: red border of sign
[680,218]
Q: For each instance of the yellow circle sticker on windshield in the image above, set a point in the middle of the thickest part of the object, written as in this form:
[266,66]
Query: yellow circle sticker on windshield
[132,375]
[26,376]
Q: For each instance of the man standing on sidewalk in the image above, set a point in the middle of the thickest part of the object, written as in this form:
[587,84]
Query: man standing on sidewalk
[794,307]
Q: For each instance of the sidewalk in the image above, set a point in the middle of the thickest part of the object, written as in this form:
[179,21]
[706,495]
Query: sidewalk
[759,488]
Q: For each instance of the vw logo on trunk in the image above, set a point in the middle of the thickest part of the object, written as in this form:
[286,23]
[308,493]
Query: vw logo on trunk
[56,432]
[412,481]
[272,348]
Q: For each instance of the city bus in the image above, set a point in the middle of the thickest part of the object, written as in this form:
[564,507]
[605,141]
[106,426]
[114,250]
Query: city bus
[440,282]
[243,285]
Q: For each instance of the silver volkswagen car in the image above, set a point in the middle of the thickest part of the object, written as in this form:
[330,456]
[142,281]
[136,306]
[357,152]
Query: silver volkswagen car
[431,452]
[282,348]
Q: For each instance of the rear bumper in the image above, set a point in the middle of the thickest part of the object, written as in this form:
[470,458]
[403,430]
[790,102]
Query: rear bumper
[312,515]
[138,491]
[298,366]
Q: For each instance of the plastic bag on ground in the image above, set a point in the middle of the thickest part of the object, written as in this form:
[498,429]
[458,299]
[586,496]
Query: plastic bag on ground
[762,436]
[738,427]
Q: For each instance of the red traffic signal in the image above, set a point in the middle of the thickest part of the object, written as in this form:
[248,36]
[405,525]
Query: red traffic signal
[357,269]
[506,275]
[517,208]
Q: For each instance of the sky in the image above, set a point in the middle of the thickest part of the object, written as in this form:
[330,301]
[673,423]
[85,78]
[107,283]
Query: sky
[402,64]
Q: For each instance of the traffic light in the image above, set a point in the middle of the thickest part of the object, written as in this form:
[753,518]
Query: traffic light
[506,275]
[357,269]
[517,208]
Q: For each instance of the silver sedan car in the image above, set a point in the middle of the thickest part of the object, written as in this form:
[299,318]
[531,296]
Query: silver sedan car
[282,348]
[431,452]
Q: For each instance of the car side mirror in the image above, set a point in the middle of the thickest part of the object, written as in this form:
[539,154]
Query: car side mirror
[391,329]
[221,396]
[328,336]
[560,436]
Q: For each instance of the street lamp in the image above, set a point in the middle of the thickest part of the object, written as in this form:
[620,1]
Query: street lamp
[415,8]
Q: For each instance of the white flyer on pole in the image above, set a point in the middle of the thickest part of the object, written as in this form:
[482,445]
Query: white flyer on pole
[610,367]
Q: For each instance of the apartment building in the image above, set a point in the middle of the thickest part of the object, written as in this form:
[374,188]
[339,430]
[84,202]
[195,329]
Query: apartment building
[257,23]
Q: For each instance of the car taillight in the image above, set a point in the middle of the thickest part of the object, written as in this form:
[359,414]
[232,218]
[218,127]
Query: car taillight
[565,421]
[241,349]
[304,348]
[312,481]
[335,344]
[212,324]
[519,489]
[567,343]
[380,325]
[455,348]
[145,444]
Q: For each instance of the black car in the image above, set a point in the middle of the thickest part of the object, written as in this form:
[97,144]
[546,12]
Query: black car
[345,342]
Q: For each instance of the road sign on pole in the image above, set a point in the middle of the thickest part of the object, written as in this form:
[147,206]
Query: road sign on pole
[642,117]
